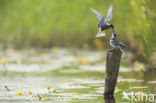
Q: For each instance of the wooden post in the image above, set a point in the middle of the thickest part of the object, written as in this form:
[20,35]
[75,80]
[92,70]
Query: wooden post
[113,58]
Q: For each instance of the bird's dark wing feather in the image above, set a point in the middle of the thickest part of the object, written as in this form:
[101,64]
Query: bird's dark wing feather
[122,45]
[115,43]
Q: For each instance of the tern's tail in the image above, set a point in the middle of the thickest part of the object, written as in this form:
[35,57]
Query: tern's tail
[100,34]
[123,45]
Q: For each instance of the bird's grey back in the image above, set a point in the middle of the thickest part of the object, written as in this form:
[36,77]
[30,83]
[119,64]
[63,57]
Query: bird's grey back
[101,24]
[115,43]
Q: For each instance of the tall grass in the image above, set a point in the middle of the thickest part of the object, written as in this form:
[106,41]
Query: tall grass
[44,23]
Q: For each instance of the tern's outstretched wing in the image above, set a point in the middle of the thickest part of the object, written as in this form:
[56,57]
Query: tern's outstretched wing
[98,15]
[109,14]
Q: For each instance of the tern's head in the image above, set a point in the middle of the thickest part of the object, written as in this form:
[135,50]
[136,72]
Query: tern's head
[113,36]
[112,26]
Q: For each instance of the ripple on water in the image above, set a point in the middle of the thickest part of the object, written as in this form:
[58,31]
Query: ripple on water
[152,82]
[129,80]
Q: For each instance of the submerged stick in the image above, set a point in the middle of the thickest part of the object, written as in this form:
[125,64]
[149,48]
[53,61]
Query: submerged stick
[113,58]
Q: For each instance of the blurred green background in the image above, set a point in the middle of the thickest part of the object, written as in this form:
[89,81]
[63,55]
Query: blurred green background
[70,23]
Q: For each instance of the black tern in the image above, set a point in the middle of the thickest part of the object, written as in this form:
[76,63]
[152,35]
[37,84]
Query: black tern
[102,22]
[115,43]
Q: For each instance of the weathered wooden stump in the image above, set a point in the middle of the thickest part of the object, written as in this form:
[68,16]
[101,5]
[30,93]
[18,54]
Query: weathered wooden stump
[113,58]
